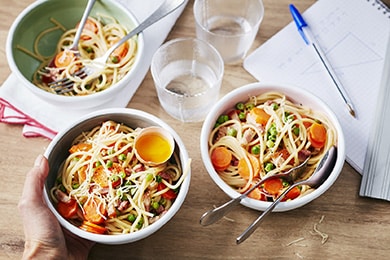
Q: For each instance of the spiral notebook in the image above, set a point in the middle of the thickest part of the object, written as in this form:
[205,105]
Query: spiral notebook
[354,36]
[376,172]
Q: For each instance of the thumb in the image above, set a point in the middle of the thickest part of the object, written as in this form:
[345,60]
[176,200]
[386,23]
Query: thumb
[35,179]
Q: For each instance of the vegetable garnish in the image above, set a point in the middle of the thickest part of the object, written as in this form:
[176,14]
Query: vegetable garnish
[266,135]
[221,158]
[104,188]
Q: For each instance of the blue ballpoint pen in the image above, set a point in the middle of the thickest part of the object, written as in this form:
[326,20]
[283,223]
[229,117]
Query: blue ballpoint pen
[307,36]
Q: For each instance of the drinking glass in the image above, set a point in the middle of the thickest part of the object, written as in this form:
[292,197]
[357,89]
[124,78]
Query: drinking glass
[187,74]
[229,25]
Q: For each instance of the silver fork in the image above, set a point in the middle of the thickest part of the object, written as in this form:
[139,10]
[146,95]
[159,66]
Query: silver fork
[75,45]
[213,215]
[94,68]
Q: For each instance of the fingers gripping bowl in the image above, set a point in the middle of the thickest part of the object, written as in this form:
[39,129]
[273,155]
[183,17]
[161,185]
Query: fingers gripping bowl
[271,128]
[94,165]
[47,27]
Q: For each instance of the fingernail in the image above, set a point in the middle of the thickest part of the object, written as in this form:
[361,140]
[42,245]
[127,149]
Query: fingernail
[38,160]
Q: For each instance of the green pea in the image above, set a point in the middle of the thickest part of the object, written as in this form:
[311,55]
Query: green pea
[155,205]
[140,223]
[75,185]
[242,115]
[109,164]
[222,119]
[272,138]
[131,218]
[240,106]
[295,130]
[232,132]
[122,157]
[114,178]
[275,106]
[269,167]
[256,149]
[249,106]
[272,130]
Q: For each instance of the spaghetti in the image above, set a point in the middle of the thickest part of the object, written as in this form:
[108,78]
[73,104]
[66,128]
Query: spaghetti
[99,34]
[267,135]
[103,188]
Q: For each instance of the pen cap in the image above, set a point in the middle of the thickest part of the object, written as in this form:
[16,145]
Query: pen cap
[299,22]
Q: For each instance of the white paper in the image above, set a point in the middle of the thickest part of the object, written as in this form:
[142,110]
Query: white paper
[353,35]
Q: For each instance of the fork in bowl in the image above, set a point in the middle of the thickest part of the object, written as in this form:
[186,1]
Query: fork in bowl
[75,45]
[91,69]
[217,213]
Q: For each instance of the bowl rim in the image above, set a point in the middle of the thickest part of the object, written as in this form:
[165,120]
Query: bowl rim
[149,230]
[51,97]
[242,93]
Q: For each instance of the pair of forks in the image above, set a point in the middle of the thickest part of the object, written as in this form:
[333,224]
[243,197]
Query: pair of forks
[93,68]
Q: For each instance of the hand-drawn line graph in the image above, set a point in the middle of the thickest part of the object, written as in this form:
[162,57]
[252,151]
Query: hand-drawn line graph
[359,54]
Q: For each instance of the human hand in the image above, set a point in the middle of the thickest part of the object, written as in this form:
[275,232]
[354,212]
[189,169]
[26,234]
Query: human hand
[44,236]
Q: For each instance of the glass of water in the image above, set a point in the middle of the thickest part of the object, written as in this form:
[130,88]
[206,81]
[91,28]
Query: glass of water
[187,74]
[229,25]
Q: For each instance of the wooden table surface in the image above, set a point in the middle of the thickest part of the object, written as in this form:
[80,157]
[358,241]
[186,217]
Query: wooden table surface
[358,228]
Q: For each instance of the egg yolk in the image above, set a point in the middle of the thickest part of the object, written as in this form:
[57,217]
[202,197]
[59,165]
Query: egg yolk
[153,148]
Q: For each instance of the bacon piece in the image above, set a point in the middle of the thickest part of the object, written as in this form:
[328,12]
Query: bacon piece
[61,196]
[123,205]
[303,155]
[248,136]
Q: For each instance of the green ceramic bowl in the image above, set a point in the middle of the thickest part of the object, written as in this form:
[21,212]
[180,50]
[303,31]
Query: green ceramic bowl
[36,18]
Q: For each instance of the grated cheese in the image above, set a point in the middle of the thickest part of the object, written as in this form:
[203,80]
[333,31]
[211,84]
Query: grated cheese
[318,232]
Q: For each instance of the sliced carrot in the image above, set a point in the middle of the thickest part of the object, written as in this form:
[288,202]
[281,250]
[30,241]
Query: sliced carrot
[256,194]
[100,176]
[121,51]
[292,194]
[80,147]
[260,116]
[317,135]
[63,58]
[94,210]
[93,228]
[221,158]
[273,186]
[67,209]
[91,26]
[243,168]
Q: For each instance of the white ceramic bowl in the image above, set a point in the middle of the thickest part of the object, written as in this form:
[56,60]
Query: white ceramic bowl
[297,95]
[57,152]
[35,18]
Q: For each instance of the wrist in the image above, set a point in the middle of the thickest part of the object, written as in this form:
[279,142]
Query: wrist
[38,250]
